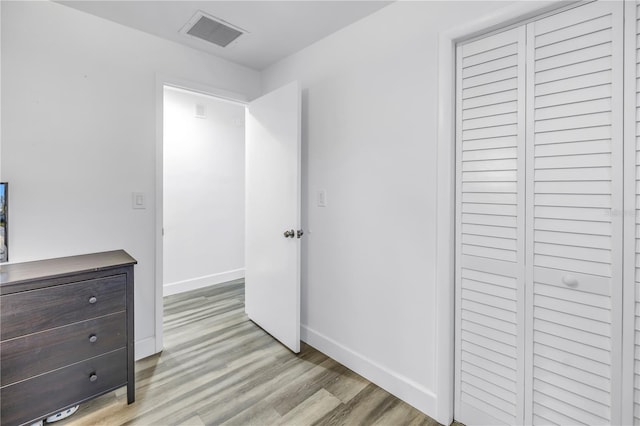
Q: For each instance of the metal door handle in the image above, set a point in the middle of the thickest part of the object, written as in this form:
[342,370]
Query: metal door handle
[300,233]
[289,234]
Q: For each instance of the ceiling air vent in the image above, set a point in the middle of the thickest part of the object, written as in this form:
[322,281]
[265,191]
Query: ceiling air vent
[211,29]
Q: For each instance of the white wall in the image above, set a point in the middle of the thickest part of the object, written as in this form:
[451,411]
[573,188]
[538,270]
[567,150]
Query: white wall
[369,139]
[203,191]
[78,135]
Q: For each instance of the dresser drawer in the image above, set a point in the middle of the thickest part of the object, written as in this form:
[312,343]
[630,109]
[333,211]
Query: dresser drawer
[47,394]
[37,310]
[37,353]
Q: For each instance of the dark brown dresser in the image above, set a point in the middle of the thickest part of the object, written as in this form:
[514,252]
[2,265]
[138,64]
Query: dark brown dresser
[66,333]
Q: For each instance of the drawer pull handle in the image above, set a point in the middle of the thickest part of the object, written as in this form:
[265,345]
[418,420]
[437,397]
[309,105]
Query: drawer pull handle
[570,281]
[93,300]
[93,338]
[93,377]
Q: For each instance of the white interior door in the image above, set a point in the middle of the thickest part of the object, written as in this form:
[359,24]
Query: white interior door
[490,230]
[272,260]
[574,184]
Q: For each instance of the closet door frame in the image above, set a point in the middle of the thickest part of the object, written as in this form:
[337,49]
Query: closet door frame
[629,212]
[517,13]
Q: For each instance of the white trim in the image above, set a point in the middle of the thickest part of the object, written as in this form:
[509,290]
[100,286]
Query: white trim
[158,312]
[192,86]
[628,216]
[457,242]
[445,309]
[161,81]
[145,347]
[401,386]
[201,282]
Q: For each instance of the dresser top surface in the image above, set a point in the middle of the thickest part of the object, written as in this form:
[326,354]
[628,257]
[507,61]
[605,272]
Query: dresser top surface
[17,273]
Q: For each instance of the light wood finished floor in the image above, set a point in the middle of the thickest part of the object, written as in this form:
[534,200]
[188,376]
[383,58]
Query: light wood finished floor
[220,368]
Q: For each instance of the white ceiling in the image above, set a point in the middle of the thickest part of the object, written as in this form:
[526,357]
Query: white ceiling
[276,29]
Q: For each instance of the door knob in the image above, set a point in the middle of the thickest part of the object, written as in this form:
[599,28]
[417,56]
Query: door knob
[300,233]
[570,280]
[289,234]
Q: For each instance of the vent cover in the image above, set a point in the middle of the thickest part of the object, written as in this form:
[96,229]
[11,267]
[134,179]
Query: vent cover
[211,29]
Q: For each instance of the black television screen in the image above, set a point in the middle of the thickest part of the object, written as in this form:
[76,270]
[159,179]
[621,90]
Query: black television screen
[4,220]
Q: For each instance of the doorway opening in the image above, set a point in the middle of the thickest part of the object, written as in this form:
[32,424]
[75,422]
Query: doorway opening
[270,191]
[200,190]
[203,190]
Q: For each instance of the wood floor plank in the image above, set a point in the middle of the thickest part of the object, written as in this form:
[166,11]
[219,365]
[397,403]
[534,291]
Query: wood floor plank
[311,409]
[261,413]
[347,385]
[403,414]
[256,389]
[364,409]
[306,385]
[193,421]
[219,368]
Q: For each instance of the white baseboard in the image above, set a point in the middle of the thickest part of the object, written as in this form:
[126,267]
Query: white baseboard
[404,388]
[200,282]
[145,347]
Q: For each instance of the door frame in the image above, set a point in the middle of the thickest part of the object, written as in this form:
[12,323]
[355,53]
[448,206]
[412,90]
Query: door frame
[155,345]
[445,214]
[629,219]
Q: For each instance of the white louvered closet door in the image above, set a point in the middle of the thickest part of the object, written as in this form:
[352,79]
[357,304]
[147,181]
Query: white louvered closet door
[490,231]
[539,234]
[574,242]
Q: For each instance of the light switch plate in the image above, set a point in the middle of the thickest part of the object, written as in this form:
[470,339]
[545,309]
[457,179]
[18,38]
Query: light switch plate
[138,200]
[322,198]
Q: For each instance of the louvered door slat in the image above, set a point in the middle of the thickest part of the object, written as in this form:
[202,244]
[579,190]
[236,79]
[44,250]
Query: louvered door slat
[489,55]
[556,366]
[574,93]
[567,25]
[566,410]
[579,42]
[572,148]
[550,383]
[570,70]
[489,362]
[575,226]
[573,281]
[591,79]
[575,110]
